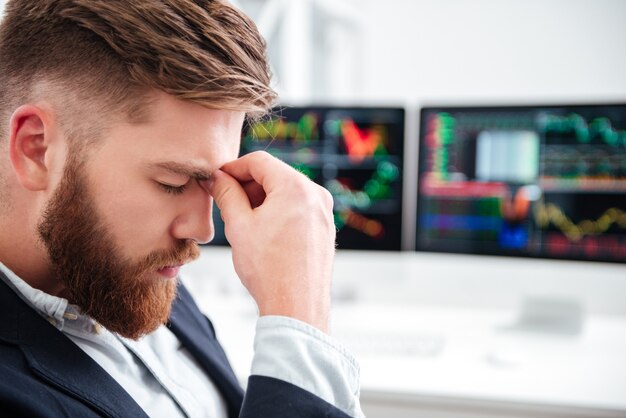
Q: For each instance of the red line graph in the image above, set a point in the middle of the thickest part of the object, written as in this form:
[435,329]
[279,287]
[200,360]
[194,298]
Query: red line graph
[362,143]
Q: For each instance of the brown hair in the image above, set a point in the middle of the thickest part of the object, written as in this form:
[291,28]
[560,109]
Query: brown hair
[106,55]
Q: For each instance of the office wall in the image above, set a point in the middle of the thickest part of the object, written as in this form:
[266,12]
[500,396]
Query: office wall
[446,50]
[496,49]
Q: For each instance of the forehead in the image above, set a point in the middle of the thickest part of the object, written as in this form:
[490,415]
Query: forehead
[165,112]
[179,132]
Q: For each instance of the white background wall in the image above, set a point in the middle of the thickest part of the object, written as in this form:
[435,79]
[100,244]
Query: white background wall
[451,50]
[496,49]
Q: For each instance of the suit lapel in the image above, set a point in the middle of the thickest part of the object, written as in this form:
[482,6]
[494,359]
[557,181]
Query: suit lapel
[61,363]
[196,334]
[58,361]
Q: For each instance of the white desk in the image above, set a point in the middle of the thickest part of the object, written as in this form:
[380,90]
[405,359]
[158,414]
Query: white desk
[467,364]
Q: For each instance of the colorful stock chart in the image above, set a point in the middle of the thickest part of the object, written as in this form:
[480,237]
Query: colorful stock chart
[355,153]
[533,181]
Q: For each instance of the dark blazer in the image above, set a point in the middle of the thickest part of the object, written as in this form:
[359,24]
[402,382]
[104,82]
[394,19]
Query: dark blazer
[44,374]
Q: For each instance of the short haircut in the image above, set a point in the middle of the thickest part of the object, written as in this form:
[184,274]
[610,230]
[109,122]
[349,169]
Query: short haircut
[108,54]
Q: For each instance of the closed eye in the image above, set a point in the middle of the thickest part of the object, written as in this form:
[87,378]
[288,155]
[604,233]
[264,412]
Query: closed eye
[175,190]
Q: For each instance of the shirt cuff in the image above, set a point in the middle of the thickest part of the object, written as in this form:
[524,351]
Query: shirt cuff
[300,354]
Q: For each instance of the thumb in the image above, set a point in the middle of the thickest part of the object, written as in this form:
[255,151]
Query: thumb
[229,196]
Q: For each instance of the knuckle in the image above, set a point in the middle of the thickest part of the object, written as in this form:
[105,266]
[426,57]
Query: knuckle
[309,194]
[260,155]
[311,200]
[298,182]
[327,198]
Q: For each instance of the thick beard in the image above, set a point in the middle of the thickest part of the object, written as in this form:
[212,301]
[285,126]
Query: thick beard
[127,297]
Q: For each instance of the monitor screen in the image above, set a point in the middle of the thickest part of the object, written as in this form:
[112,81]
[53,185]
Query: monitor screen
[354,152]
[540,181]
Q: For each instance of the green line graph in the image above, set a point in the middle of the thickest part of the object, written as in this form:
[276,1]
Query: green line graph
[584,131]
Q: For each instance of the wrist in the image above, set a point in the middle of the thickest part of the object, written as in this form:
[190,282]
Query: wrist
[316,315]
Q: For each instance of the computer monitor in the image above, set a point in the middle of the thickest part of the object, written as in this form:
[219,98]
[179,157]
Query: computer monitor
[538,181]
[354,152]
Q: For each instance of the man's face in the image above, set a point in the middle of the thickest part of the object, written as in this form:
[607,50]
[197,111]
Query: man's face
[122,221]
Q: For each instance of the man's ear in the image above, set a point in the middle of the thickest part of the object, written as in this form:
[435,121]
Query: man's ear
[28,145]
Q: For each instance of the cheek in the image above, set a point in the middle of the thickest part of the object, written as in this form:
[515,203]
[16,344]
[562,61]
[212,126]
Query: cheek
[136,215]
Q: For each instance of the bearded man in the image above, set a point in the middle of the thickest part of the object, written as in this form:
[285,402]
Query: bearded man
[120,123]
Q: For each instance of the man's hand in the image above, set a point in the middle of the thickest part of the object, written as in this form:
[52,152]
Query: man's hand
[281,230]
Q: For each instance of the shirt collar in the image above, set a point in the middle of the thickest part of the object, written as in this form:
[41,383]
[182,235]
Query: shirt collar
[57,310]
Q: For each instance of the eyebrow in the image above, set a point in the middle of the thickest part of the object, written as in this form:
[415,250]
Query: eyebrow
[189,170]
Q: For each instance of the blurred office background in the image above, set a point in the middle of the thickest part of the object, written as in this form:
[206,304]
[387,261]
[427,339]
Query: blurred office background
[444,332]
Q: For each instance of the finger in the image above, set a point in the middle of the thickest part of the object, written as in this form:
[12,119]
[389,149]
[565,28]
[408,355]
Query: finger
[229,195]
[260,167]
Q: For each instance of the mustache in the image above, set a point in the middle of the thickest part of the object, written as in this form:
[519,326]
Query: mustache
[184,252]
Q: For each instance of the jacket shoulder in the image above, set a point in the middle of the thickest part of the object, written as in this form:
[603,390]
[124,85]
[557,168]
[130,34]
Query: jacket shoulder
[24,394]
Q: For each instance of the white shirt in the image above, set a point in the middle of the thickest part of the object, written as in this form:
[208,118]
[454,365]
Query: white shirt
[166,381]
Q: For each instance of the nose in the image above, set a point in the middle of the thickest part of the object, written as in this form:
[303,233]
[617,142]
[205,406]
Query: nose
[195,221]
